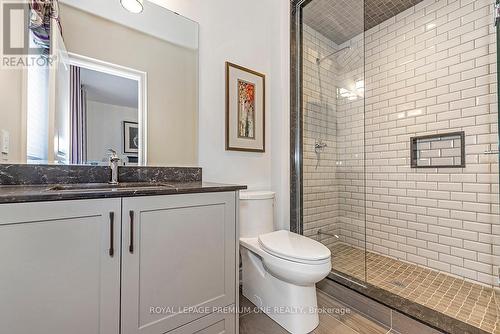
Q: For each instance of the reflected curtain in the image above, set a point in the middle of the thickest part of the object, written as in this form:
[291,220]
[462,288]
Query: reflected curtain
[78,105]
[41,14]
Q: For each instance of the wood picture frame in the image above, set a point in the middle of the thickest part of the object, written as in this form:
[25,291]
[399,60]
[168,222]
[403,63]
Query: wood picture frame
[130,137]
[245,109]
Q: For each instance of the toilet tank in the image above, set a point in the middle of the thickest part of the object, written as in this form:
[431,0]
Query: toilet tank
[256,213]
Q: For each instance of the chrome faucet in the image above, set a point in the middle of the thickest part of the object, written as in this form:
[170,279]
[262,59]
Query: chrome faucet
[113,163]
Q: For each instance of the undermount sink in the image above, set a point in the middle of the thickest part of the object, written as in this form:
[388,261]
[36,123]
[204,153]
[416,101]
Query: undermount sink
[107,186]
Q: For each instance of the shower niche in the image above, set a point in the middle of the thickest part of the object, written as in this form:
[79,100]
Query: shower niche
[438,151]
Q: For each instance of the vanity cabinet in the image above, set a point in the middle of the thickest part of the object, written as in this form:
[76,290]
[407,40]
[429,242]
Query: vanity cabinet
[135,265]
[56,271]
[179,252]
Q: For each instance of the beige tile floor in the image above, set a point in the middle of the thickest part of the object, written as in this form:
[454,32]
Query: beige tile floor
[350,322]
[472,303]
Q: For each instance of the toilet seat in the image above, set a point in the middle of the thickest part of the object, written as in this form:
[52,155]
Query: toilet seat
[294,247]
[300,272]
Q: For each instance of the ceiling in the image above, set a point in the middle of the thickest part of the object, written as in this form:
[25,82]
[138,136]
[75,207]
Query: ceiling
[155,20]
[341,20]
[110,89]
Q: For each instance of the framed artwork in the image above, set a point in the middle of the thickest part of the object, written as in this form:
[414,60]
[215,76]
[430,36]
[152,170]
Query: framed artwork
[130,137]
[245,109]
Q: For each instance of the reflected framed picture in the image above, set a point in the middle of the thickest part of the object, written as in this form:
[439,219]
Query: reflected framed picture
[130,137]
[245,109]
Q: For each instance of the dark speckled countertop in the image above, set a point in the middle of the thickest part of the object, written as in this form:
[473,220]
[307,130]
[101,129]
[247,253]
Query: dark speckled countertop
[57,192]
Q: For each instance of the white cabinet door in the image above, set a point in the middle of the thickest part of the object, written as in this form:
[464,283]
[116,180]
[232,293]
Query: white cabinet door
[56,272]
[178,252]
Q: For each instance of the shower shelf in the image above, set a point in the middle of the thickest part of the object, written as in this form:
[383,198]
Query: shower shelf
[446,150]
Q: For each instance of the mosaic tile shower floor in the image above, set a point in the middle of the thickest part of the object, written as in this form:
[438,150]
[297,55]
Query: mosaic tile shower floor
[471,303]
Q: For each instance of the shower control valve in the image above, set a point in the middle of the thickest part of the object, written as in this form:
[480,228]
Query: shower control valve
[319,146]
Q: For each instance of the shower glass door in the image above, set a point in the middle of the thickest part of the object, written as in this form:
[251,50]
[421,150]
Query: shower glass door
[332,117]
[398,142]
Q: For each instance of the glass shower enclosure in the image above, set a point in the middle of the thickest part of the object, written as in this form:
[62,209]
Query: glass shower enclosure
[394,128]
[332,139]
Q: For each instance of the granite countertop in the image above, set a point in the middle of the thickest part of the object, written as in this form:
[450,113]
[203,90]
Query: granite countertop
[57,192]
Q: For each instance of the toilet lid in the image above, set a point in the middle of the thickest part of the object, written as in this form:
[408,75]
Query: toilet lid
[293,246]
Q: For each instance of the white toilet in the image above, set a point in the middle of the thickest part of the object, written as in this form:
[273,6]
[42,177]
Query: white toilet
[280,269]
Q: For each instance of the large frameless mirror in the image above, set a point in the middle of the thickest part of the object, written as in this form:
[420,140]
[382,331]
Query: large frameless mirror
[104,76]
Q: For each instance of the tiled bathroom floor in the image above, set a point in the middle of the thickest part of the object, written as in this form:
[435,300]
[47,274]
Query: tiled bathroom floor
[460,299]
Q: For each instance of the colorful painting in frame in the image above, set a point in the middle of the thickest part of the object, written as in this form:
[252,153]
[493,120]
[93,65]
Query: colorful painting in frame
[245,109]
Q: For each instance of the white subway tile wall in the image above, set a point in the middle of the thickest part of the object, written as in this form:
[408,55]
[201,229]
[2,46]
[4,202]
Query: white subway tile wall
[431,69]
[319,121]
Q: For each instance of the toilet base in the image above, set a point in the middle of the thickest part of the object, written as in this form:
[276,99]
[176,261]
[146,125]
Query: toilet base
[293,307]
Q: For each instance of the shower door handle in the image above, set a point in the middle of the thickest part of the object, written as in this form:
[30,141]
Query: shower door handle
[491,152]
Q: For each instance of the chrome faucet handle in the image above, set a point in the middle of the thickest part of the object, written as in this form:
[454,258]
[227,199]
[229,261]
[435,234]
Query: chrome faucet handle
[113,163]
[113,156]
[319,146]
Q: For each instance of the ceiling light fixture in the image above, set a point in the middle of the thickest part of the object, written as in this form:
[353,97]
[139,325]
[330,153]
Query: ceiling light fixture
[133,6]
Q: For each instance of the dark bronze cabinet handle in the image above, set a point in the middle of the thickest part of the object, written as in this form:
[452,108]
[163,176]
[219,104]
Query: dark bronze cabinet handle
[131,245]
[111,234]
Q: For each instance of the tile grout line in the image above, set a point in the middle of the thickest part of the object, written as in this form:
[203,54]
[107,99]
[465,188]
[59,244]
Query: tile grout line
[484,315]
[448,293]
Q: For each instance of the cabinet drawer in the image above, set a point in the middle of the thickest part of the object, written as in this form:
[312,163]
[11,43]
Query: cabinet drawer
[215,323]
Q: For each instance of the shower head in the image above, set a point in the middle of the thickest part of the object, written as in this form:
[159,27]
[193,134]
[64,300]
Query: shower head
[319,60]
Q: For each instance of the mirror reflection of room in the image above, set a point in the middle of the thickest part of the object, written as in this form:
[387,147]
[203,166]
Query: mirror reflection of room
[132,90]
[108,114]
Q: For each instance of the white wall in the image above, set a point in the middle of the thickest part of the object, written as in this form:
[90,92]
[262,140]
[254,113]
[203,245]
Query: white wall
[105,129]
[254,34]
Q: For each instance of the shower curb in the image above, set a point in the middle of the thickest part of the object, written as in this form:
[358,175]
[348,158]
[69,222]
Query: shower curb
[390,305]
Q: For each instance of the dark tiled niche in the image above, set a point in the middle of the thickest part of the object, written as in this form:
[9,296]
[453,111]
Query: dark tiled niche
[438,151]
